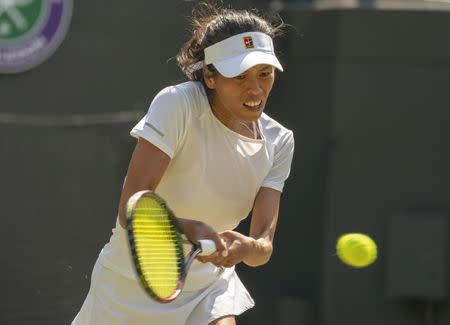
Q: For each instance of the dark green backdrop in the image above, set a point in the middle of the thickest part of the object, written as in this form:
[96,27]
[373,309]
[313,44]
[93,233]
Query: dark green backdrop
[366,93]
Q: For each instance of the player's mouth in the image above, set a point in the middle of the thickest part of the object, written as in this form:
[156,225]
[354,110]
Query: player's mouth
[254,105]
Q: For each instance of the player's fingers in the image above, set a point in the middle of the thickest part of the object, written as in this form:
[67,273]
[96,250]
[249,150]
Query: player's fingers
[207,258]
[228,264]
[215,258]
[221,245]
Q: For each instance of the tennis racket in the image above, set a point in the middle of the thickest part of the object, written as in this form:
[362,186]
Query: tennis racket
[156,244]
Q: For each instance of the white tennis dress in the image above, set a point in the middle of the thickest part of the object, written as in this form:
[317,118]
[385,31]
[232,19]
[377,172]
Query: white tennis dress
[213,176]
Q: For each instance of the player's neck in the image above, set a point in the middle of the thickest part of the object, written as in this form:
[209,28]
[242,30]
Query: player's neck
[247,129]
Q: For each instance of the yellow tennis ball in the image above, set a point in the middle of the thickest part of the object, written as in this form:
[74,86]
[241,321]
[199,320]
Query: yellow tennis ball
[357,250]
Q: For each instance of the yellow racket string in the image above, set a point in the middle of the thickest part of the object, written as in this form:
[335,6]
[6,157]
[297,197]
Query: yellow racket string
[156,247]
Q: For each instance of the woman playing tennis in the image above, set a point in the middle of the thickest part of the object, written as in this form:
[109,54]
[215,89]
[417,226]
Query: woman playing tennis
[210,151]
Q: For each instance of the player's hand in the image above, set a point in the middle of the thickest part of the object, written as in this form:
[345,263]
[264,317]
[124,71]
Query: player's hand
[198,230]
[238,247]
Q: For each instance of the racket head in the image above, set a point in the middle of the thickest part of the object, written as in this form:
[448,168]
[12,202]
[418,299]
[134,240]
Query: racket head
[155,245]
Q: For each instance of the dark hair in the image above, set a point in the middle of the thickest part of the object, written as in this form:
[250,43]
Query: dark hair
[211,24]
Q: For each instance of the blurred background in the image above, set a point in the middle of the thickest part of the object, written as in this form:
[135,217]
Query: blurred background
[366,90]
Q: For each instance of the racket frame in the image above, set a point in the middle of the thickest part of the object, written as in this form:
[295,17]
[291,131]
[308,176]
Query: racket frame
[130,209]
[181,237]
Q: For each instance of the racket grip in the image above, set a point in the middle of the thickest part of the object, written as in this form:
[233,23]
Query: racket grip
[207,246]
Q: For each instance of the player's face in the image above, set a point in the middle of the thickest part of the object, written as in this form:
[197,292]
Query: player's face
[244,97]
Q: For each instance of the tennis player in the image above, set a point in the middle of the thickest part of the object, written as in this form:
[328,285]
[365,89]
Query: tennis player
[210,151]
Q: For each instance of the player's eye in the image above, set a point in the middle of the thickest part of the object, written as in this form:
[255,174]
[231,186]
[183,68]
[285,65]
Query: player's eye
[240,77]
[266,74]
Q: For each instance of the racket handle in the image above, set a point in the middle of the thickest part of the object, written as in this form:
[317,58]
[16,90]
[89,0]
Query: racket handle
[208,247]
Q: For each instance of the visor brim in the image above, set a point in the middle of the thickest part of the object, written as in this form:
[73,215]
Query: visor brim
[236,65]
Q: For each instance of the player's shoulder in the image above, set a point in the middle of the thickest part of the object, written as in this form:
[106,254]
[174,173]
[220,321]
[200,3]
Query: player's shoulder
[187,88]
[190,95]
[274,131]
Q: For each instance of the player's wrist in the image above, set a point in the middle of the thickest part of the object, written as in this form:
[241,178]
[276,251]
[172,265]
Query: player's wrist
[190,227]
[259,252]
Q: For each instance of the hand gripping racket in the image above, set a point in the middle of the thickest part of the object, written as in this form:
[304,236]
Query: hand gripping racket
[156,240]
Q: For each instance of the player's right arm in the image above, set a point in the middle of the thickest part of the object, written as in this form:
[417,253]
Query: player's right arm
[147,166]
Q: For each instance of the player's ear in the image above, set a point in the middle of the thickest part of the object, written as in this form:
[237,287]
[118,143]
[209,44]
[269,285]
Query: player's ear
[208,76]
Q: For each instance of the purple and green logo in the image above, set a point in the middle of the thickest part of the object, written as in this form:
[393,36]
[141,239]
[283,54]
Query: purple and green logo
[31,31]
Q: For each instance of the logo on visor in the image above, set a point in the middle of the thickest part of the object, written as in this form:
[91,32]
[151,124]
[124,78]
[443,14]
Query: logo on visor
[248,42]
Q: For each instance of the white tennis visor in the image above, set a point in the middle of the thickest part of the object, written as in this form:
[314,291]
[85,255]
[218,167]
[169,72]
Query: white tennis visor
[238,53]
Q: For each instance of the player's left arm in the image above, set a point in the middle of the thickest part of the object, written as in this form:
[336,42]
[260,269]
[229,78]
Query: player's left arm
[262,226]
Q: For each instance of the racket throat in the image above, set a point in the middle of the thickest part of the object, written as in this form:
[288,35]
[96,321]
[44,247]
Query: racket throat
[191,257]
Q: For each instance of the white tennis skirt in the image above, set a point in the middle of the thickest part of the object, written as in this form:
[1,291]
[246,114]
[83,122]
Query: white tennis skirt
[114,299]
